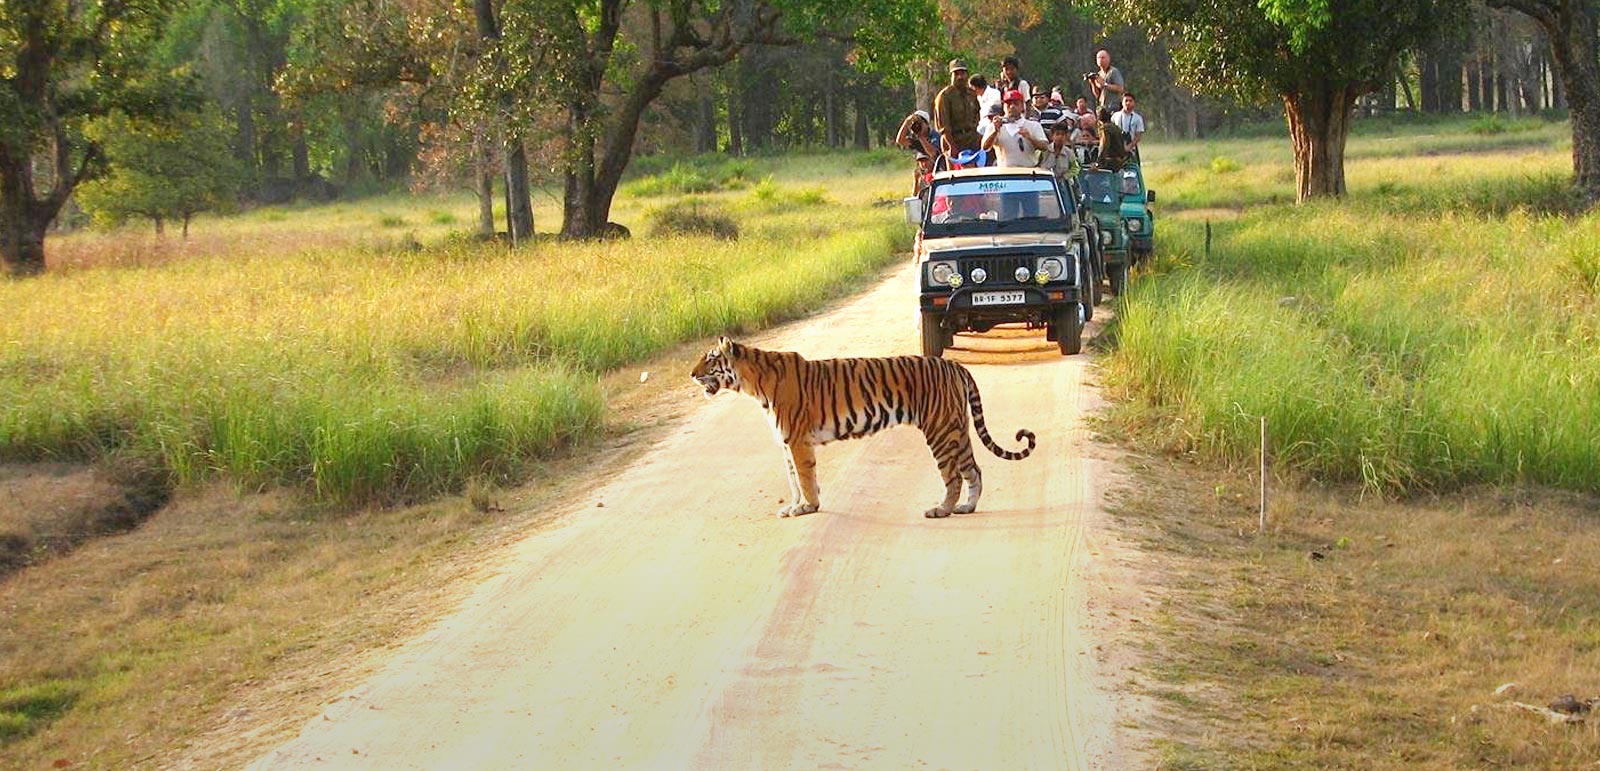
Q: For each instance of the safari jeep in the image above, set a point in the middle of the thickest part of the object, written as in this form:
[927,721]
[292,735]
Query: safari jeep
[997,246]
[1127,226]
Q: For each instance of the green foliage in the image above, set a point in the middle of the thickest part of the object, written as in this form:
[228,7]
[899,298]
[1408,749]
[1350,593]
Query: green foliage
[167,170]
[1257,50]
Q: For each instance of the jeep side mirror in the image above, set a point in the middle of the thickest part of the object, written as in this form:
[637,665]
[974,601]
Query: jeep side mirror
[1150,196]
[913,206]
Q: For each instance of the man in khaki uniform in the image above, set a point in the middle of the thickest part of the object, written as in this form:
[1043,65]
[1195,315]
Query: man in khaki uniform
[955,113]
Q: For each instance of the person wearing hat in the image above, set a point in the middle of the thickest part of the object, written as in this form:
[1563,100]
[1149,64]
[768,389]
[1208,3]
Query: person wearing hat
[955,113]
[917,135]
[1016,139]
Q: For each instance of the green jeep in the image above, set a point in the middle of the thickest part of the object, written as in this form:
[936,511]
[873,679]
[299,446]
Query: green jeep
[1120,201]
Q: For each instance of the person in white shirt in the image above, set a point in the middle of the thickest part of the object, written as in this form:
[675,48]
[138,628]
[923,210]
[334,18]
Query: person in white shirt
[1131,123]
[1015,139]
[988,96]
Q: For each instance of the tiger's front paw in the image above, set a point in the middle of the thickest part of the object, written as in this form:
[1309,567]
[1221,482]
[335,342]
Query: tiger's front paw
[937,512]
[797,509]
[966,508]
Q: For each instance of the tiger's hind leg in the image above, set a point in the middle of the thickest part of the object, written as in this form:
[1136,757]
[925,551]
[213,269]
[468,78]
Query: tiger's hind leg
[946,446]
[802,457]
[972,475]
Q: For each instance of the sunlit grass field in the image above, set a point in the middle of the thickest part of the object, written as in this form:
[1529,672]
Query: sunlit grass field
[1439,327]
[371,352]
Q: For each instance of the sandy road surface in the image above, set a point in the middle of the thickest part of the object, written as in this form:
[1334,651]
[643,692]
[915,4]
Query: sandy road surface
[673,622]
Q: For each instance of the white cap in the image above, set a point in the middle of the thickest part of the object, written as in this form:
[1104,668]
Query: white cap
[923,114]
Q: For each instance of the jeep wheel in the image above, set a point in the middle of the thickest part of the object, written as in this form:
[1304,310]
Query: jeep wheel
[1093,280]
[1069,330]
[934,338]
[1119,280]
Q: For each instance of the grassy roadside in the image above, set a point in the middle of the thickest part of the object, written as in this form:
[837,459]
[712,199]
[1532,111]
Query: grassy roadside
[394,371]
[1442,333]
[223,611]
[1425,354]
[1385,653]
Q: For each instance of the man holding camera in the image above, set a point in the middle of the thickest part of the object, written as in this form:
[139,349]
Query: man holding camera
[1106,82]
[917,135]
[1015,139]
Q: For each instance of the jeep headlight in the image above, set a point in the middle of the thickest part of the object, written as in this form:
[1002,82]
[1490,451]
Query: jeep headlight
[1134,226]
[1052,268]
[1022,274]
[1105,238]
[939,273]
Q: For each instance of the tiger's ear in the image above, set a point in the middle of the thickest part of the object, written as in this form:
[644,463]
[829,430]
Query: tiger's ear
[729,348]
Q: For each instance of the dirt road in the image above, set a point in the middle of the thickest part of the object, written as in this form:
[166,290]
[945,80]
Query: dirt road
[673,622]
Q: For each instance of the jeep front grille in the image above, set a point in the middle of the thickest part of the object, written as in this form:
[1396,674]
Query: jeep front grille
[1001,270]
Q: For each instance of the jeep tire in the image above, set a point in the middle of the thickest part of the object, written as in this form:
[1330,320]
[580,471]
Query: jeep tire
[1119,280]
[934,338]
[1069,330]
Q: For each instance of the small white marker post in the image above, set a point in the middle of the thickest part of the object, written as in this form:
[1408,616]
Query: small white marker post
[1261,526]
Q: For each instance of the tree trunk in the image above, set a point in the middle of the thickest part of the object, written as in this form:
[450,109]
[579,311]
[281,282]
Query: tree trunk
[705,134]
[1319,123]
[925,81]
[186,218]
[1474,97]
[483,163]
[592,178]
[863,134]
[1571,27]
[22,232]
[161,225]
[519,203]
[1428,83]
[302,153]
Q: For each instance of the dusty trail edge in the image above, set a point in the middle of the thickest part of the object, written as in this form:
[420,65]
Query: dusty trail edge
[663,618]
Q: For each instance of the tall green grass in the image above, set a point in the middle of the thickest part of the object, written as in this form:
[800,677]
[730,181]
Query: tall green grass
[378,374]
[1411,340]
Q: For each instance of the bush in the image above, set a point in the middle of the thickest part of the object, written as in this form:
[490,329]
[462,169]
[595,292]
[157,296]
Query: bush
[693,217]
[1222,164]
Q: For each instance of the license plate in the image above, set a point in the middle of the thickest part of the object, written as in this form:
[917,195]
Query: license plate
[998,298]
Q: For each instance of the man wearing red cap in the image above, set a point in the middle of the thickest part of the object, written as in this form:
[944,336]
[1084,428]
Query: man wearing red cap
[1016,139]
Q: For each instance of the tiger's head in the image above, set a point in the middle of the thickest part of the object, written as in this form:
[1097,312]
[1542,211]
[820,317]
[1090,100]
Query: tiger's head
[715,370]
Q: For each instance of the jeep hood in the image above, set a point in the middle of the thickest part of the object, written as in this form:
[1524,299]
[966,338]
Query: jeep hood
[993,241]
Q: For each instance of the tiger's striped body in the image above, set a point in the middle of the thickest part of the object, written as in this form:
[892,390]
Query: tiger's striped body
[816,402]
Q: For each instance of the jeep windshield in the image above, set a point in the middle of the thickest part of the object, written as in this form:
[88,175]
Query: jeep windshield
[993,205]
[1099,186]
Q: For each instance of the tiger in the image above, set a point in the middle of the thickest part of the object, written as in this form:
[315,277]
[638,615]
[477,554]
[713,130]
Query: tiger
[816,402]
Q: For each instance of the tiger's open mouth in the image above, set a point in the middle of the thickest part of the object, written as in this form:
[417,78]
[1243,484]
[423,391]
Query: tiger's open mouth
[710,384]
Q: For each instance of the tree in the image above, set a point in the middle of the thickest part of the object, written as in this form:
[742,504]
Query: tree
[161,170]
[61,64]
[602,63]
[1575,51]
[1316,56]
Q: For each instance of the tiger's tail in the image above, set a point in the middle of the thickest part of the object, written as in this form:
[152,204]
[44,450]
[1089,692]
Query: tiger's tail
[975,404]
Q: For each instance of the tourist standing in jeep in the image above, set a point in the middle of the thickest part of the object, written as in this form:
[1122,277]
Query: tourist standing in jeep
[955,113]
[1015,139]
[1106,81]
